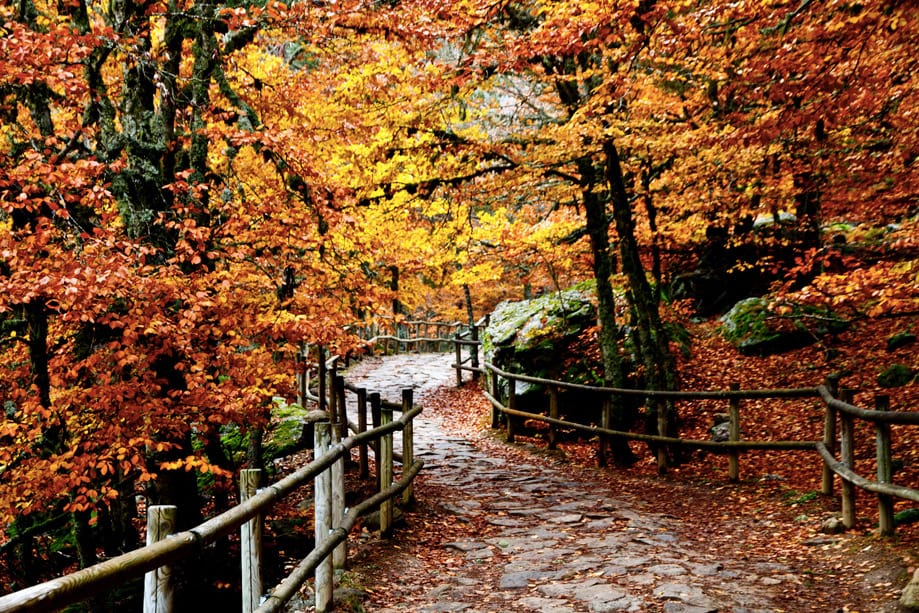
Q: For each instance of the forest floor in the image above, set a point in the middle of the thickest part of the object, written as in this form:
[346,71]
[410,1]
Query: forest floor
[499,527]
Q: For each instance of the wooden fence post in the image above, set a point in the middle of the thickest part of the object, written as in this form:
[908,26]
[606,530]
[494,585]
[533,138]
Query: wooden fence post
[495,413]
[886,525]
[408,445]
[342,405]
[847,457]
[158,589]
[385,468]
[663,426]
[511,404]
[333,395]
[364,471]
[606,414]
[250,539]
[553,413]
[829,435]
[375,418]
[340,553]
[459,360]
[474,352]
[734,435]
[322,505]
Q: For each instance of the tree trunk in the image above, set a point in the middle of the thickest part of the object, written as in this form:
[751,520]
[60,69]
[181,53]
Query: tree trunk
[653,343]
[254,457]
[216,455]
[597,223]
[394,287]
[83,539]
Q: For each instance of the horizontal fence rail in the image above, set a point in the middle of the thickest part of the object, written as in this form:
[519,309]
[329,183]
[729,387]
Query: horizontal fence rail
[329,393]
[838,431]
[837,412]
[83,584]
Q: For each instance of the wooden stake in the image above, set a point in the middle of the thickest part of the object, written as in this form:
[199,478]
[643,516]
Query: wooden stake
[847,457]
[734,435]
[553,413]
[886,525]
[386,473]
[250,535]
[158,589]
[364,470]
[340,553]
[829,435]
[322,490]
[408,444]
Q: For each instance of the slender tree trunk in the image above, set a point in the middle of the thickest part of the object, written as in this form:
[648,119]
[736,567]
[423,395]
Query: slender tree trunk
[470,315]
[394,286]
[651,211]
[83,538]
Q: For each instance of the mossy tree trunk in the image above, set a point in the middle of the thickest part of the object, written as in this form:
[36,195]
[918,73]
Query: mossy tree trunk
[597,225]
[650,339]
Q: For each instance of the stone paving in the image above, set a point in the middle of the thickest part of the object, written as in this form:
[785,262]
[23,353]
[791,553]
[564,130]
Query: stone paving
[554,545]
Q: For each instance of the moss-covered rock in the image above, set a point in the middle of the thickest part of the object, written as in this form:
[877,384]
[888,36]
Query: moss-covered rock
[900,339]
[757,329]
[895,375]
[290,430]
[535,337]
[528,336]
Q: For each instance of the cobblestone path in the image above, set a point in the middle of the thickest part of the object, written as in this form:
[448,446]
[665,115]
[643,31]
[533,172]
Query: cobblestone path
[550,541]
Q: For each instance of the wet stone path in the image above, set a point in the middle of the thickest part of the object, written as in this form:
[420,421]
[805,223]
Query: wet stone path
[550,541]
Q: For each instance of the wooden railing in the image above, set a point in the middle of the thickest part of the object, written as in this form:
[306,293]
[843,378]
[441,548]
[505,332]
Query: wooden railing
[837,410]
[333,522]
[388,336]
[838,432]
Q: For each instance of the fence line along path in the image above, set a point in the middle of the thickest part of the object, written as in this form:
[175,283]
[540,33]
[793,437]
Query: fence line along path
[519,533]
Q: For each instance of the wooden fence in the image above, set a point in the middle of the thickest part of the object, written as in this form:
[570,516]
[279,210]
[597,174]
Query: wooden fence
[838,431]
[389,336]
[333,522]
[326,471]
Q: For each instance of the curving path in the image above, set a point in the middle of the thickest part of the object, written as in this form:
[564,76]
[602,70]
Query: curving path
[501,530]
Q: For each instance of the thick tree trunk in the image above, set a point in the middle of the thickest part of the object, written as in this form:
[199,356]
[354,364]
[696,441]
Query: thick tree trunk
[597,223]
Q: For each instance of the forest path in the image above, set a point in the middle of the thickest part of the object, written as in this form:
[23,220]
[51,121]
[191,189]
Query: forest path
[504,528]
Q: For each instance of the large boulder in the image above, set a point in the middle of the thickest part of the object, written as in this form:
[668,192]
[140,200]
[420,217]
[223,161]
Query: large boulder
[755,328]
[530,336]
[535,337]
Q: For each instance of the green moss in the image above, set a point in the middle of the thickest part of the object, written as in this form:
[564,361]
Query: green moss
[755,329]
[900,339]
[895,375]
[285,434]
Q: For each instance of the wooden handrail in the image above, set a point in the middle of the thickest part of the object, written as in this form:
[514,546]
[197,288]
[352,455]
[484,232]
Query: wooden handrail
[84,583]
[851,476]
[887,417]
[713,446]
[289,587]
[843,468]
[805,392]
